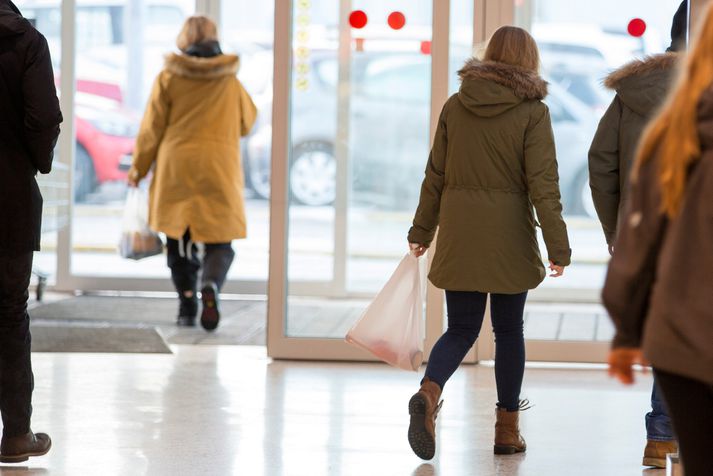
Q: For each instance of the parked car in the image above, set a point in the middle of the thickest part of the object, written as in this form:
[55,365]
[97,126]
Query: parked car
[389,134]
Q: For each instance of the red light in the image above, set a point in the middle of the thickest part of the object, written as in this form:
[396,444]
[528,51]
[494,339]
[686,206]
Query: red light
[358,19]
[637,27]
[397,20]
[426,47]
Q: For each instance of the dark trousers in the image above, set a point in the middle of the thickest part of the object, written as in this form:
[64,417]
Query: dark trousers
[185,261]
[690,403]
[466,311]
[16,379]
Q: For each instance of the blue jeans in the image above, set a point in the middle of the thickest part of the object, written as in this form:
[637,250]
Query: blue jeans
[466,311]
[658,422]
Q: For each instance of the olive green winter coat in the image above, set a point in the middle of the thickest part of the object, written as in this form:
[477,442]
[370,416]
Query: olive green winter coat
[493,158]
[191,130]
[641,87]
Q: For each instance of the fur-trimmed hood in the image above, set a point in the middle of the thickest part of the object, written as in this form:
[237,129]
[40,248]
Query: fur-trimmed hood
[642,84]
[193,67]
[490,88]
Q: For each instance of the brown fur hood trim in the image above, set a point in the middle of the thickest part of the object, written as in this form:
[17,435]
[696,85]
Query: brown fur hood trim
[202,68]
[640,67]
[525,84]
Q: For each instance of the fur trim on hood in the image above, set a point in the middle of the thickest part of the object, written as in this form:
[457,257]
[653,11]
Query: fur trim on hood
[641,67]
[525,84]
[202,68]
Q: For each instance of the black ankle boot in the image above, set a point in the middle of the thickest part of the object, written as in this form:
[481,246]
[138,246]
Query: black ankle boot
[210,316]
[187,310]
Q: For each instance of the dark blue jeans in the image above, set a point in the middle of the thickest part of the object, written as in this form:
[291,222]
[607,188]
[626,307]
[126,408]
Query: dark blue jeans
[466,311]
[658,422]
[16,379]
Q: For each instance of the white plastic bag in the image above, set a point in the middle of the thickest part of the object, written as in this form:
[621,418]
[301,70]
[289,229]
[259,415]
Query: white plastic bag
[391,327]
[137,239]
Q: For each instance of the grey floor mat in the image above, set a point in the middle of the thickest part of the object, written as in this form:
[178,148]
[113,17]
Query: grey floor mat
[66,337]
[242,322]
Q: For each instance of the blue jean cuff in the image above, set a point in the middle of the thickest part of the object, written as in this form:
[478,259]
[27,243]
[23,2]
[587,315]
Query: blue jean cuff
[660,438]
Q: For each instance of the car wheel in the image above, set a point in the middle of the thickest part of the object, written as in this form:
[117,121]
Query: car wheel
[313,174]
[85,179]
[258,179]
[584,203]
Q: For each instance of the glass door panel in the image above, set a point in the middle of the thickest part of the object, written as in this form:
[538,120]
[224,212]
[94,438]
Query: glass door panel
[360,115]
[119,52]
[251,37]
[579,48]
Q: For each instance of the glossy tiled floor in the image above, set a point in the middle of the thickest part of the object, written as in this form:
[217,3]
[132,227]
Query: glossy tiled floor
[230,411]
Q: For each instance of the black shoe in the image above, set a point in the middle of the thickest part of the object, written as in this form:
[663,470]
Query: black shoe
[210,316]
[187,311]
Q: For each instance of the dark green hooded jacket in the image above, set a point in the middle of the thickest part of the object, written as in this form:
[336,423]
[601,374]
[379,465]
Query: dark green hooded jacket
[493,158]
[641,87]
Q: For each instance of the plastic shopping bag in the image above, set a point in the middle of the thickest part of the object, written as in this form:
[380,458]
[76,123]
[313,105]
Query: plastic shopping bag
[137,239]
[391,327]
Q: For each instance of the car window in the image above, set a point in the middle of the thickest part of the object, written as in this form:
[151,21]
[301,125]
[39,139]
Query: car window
[404,83]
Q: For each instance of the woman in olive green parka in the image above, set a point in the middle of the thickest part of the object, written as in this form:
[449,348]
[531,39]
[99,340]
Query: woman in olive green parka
[493,159]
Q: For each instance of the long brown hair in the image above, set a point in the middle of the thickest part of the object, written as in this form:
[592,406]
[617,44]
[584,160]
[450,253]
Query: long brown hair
[673,135]
[513,46]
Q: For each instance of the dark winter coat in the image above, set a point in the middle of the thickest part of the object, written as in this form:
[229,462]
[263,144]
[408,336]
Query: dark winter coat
[658,288]
[493,158]
[29,126]
[641,87]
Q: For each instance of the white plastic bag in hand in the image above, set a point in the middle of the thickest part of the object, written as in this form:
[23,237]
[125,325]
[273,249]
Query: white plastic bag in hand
[391,327]
[137,239]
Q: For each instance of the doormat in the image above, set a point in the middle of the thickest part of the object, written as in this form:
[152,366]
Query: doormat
[62,337]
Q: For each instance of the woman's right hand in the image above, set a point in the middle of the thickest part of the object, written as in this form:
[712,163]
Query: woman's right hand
[417,250]
[557,270]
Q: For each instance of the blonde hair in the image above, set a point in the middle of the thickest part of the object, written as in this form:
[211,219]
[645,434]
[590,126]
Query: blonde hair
[196,29]
[673,135]
[513,46]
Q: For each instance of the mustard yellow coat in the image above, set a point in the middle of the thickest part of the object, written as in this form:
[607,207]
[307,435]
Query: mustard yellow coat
[191,130]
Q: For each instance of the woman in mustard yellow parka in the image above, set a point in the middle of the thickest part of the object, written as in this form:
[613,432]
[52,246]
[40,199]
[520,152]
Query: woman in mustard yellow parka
[190,135]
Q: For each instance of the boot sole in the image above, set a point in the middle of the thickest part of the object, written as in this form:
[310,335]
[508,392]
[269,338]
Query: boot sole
[210,316]
[655,462]
[507,450]
[24,456]
[422,443]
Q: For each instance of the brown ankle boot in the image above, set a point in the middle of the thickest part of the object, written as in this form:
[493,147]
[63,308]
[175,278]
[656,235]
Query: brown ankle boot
[17,449]
[423,408]
[656,451]
[508,440]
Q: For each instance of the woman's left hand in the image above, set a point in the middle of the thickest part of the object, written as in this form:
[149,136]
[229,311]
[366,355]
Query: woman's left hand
[557,270]
[621,362]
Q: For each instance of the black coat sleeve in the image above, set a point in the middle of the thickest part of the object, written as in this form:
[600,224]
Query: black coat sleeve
[42,113]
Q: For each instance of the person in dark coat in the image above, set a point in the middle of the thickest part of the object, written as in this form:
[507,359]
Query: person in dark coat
[641,88]
[29,127]
[658,286]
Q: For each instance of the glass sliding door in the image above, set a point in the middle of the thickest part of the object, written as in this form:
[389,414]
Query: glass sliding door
[119,51]
[579,48]
[359,118]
